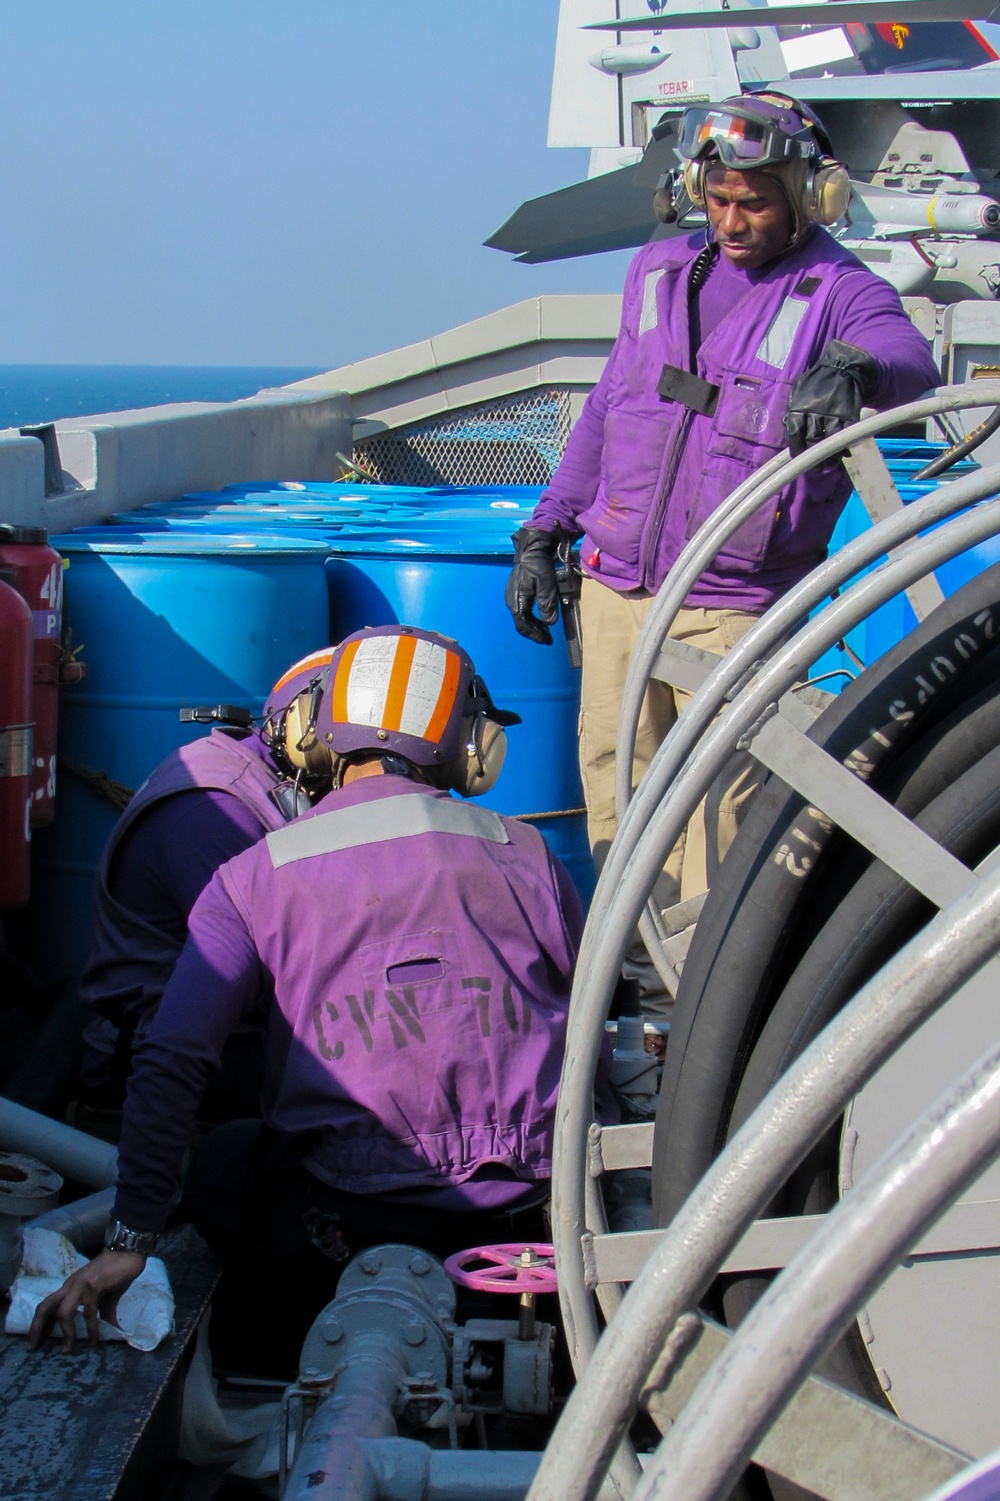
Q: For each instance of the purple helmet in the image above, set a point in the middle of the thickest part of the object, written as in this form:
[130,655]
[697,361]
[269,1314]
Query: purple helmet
[751,131]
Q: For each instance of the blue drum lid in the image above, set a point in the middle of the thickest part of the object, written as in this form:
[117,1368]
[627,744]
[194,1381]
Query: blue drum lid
[188,544]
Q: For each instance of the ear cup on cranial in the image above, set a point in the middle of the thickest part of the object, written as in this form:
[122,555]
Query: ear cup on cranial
[304,751]
[829,192]
[476,768]
[694,182]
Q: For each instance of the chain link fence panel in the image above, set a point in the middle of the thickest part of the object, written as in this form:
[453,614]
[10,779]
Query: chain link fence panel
[515,440]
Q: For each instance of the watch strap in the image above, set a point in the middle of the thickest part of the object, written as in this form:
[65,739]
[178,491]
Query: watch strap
[118,1237]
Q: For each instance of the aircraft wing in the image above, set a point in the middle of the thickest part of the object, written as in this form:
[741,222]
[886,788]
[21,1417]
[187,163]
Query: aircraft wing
[610,212]
[983,83]
[832,13]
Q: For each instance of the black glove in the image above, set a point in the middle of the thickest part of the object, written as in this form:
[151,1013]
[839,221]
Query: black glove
[829,396]
[533,580]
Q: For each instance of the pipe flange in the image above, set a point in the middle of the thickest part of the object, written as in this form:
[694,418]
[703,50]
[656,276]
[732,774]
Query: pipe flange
[408,1270]
[27,1186]
[347,1323]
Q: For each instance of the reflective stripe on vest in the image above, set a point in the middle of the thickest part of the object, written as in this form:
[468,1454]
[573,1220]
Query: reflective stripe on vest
[648,317]
[776,344]
[376,822]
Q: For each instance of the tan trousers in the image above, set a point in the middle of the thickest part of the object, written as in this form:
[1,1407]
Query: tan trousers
[610,626]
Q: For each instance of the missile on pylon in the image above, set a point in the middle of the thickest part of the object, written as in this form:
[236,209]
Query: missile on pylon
[943,213]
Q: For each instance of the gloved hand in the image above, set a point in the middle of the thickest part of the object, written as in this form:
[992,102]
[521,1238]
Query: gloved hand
[829,396]
[533,581]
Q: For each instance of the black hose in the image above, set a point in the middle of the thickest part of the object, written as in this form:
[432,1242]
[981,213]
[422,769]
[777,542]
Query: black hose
[752,931]
[961,449]
[784,941]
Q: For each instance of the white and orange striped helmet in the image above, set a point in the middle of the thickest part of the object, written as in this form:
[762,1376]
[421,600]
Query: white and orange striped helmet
[300,676]
[410,693]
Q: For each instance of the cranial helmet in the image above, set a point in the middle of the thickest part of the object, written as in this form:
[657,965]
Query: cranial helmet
[286,711]
[401,691]
[771,133]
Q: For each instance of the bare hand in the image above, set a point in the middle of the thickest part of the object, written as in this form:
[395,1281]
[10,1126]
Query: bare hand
[96,1289]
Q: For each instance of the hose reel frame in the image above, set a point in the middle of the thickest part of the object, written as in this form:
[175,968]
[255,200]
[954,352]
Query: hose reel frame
[686,763]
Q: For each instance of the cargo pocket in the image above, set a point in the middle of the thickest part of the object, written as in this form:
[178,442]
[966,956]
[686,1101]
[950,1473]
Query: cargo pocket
[747,432]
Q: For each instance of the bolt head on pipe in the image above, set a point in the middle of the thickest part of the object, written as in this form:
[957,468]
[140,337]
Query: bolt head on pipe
[333,1331]
[414,1334]
[371,1263]
[420,1264]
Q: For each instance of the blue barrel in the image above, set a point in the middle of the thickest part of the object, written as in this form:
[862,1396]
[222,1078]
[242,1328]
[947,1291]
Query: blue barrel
[455,584]
[161,621]
[873,637]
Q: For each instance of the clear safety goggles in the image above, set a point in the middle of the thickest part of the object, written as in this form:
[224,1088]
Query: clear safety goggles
[739,141]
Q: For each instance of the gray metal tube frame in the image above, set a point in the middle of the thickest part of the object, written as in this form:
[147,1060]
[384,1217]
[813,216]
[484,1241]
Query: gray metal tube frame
[637,1347]
[783,617]
[74,1154]
[701,550]
[812,1301]
[742,503]
[651,827]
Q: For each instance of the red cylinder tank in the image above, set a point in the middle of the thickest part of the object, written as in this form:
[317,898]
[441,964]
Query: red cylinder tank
[38,579]
[16,653]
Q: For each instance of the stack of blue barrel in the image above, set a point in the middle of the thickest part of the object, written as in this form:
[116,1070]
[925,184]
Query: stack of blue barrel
[207,599]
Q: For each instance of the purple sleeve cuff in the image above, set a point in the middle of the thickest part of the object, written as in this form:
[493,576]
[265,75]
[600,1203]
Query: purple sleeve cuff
[867,312]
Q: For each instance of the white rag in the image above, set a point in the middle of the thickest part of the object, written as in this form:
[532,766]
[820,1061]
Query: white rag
[145,1310]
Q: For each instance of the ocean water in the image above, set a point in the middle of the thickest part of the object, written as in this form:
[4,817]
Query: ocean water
[32,394]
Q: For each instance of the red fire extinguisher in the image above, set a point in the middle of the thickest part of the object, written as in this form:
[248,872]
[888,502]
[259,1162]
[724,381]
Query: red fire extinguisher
[15,744]
[38,578]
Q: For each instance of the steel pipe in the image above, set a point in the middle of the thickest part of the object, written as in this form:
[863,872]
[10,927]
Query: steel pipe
[406,1470]
[331,1464]
[82,1222]
[813,1300]
[74,1154]
[777,623]
[742,1180]
[782,618]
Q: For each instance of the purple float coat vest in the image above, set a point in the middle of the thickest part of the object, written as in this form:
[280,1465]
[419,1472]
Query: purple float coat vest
[422,978]
[419,950]
[663,468]
[132,960]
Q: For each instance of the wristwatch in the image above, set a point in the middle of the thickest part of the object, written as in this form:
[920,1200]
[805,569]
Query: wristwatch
[118,1237]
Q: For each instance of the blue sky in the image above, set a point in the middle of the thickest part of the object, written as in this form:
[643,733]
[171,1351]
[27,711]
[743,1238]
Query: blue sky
[241,182]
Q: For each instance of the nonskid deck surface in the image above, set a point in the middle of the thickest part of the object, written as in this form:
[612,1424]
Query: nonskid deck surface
[102,1422]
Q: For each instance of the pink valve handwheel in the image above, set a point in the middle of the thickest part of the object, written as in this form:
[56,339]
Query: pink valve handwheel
[504,1271]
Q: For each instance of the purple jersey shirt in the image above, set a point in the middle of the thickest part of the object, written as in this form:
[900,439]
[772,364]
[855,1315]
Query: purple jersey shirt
[642,473]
